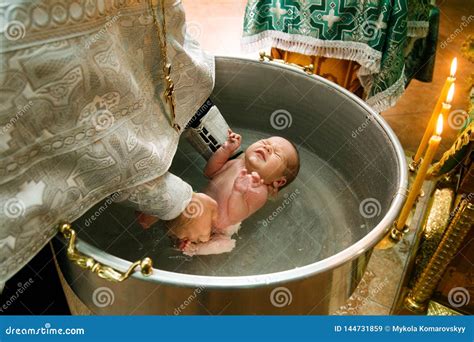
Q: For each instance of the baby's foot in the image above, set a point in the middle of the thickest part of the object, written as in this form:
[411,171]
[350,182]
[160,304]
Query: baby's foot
[183,243]
[223,245]
[189,248]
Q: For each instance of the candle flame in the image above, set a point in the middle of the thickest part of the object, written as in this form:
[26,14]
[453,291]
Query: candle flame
[450,96]
[454,66]
[439,125]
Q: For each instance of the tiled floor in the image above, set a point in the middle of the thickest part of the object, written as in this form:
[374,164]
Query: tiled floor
[217,25]
[378,288]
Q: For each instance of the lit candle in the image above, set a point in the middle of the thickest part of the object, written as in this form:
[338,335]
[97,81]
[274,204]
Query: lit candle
[431,123]
[446,106]
[433,145]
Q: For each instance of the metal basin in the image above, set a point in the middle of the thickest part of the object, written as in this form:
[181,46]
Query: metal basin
[304,252]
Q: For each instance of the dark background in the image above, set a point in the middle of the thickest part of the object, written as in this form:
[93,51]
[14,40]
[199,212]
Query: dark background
[44,296]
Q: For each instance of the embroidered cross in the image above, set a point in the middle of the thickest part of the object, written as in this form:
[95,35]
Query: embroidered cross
[278,10]
[380,23]
[331,18]
[169,98]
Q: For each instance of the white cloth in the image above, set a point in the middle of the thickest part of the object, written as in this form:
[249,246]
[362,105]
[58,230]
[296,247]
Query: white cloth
[82,113]
[221,242]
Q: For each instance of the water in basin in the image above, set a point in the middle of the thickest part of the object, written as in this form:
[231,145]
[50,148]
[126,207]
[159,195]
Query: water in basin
[310,220]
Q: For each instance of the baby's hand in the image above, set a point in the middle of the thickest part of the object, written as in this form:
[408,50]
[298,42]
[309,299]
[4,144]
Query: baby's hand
[246,182]
[233,141]
[242,182]
[255,180]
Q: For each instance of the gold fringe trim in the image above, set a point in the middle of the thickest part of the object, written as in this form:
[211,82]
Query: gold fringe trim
[460,142]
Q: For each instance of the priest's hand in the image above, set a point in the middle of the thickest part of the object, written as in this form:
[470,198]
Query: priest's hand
[195,222]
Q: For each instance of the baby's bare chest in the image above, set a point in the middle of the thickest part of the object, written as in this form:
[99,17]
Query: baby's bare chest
[222,185]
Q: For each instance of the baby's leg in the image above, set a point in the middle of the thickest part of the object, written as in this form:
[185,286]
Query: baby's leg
[231,230]
[216,245]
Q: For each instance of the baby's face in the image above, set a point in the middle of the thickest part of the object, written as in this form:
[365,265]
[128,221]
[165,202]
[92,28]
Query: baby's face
[270,158]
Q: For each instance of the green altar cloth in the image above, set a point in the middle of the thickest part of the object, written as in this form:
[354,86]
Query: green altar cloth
[380,35]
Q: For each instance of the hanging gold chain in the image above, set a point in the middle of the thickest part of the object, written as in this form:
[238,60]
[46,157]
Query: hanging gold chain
[169,91]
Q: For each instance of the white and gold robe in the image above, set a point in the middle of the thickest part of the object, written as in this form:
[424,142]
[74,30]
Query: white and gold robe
[82,114]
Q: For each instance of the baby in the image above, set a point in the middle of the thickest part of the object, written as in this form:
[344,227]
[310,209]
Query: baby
[242,186]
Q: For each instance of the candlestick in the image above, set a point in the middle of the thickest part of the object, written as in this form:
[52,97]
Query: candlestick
[445,92]
[459,226]
[433,145]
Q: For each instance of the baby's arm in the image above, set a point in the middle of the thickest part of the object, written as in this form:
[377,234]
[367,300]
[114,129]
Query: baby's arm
[222,155]
[248,195]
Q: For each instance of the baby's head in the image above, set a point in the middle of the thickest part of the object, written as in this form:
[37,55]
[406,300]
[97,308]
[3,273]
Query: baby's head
[275,159]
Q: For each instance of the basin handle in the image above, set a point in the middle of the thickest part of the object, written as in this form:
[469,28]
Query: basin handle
[89,263]
[309,69]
